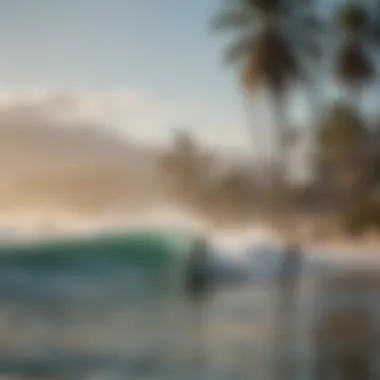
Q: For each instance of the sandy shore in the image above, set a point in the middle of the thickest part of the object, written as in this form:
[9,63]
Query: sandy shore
[344,246]
[328,240]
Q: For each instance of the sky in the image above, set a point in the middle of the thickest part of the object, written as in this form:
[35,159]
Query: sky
[146,67]
[139,68]
[158,54]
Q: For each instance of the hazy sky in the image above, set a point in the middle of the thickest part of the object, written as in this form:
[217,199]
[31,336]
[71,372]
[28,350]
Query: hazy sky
[154,61]
[159,52]
[141,67]
[158,56]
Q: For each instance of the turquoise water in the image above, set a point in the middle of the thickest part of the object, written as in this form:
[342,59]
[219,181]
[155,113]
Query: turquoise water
[146,249]
[106,307]
[86,273]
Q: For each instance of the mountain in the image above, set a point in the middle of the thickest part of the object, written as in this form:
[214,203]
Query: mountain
[78,167]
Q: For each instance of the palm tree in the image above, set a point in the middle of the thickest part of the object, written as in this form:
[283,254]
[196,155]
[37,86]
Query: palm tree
[187,166]
[272,38]
[344,169]
[232,196]
[343,131]
[354,68]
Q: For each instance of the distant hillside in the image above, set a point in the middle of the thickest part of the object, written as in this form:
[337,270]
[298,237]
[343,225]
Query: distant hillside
[73,167]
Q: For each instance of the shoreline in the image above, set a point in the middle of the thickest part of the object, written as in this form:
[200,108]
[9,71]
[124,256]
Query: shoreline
[345,245]
[368,243]
[325,239]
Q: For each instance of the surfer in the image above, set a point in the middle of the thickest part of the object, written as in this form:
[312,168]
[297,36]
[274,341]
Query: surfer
[197,283]
[196,275]
[290,270]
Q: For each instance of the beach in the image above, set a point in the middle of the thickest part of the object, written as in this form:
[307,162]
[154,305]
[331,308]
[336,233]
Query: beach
[90,314]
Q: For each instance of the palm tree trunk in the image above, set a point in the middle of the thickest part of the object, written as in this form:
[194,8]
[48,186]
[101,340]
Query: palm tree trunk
[316,120]
[281,159]
[249,100]
[354,96]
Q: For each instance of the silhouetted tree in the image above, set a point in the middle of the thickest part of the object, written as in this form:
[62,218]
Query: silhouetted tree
[188,168]
[344,169]
[272,37]
[230,197]
[354,67]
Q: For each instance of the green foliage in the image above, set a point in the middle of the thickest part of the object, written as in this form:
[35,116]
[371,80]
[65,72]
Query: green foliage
[363,216]
[342,163]
[342,130]
[271,35]
[273,41]
[352,17]
[353,66]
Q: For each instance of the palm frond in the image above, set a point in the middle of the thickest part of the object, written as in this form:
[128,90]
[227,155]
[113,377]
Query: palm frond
[251,74]
[374,33]
[271,61]
[341,128]
[310,23]
[267,7]
[259,7]
[291,7]
[278,55]
[240,49]
[232,19]
[374,36]
[267,49]
[352,18]
[241,4]
[353,65]
[308,46]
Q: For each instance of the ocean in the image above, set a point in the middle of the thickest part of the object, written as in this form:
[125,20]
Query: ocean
[111,307]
